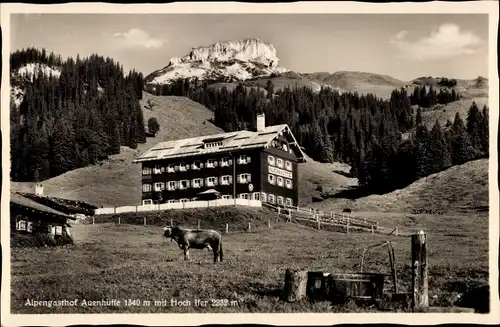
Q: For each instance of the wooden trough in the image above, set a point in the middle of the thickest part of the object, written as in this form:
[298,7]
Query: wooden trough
[320,286]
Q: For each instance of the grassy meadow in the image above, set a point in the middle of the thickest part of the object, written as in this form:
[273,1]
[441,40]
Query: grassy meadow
[132,261]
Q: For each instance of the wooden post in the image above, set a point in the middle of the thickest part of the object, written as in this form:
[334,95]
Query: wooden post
[269,222]
[295,285]
[420,282]
[144,221]
[93,218]
[279,210]
[249,229]
[227,228]
[198,224]
[119,220]
[392,261]
[372,229]
[171,222]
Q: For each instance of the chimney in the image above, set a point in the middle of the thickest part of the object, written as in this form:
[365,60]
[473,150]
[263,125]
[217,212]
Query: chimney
[39,189]
[261,122]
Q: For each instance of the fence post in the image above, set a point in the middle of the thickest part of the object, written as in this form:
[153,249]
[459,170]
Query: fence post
[119,220]
[227,228]
[198,224]
[269,222]
[93,218]
[249,229]
[420,282]
[144,221]
[279,210]
[372,229]
[171,221]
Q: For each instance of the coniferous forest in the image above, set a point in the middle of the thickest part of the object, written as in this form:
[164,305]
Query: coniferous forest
[384,141]
[74,119]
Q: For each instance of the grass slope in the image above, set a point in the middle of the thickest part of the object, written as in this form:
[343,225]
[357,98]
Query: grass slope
[459,188]
[448,112]
[111,261]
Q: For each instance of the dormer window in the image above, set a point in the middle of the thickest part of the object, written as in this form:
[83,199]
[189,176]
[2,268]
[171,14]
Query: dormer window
[213,144]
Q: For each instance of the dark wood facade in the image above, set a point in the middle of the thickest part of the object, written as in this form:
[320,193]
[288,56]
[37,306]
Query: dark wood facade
[224,171]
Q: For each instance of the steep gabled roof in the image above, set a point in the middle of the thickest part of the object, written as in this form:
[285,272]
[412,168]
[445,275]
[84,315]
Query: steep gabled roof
[230,142]
[19,200]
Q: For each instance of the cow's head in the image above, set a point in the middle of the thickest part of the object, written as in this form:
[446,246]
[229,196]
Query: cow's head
[168,231]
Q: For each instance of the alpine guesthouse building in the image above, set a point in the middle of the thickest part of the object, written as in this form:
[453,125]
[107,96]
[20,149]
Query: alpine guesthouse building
[258,165]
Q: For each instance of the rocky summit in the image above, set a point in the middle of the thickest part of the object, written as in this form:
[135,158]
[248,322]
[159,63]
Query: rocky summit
[222,61]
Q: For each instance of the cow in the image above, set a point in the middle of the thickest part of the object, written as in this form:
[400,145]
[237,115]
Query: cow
[196,239]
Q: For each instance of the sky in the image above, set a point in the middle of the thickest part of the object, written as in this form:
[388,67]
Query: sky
[404,46]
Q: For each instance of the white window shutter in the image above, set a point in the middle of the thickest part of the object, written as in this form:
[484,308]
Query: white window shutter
[230,161]
[249,159]
[201,164]
[206,181]
[176,167]
[216,181]
[187,167]
[249,178]
[201,182]
[216,163]
[230,179]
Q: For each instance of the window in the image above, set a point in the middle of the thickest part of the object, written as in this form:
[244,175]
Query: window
[270,198]
[244,196]
[172,201]
[279,180]
[146,170]
[171,186]
[158,169]
[146,187]
[197,183]
[211,163]
[270,160]
[279,162]
[160,186]
[211,181]
[184,200]
[271,179]
[226,180]
[288,165]
[170,169]
[227,197]
[288,183]
[183,167]
[196,165]
[288,202]
[184,184]
[21,225]
[264,197]
[244,178]
[243,160]
[225,162]
[279,200]
[256,196]
[147,202]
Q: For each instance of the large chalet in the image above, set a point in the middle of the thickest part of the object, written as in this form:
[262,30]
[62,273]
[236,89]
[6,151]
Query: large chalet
[258,165]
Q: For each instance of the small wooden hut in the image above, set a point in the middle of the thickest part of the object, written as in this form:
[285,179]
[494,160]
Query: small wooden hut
[34,224]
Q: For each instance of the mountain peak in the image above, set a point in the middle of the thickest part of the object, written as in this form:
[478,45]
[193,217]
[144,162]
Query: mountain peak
[223,60]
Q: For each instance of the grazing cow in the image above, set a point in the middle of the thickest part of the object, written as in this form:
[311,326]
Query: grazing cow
[196,239]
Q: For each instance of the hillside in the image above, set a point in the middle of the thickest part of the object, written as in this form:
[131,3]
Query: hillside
[117,181]
[459,188]
[448,112]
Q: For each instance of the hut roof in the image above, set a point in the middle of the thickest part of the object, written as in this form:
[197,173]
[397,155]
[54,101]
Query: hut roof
[20,200]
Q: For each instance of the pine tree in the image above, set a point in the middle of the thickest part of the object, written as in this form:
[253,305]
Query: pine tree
[440,157]
[462,149]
